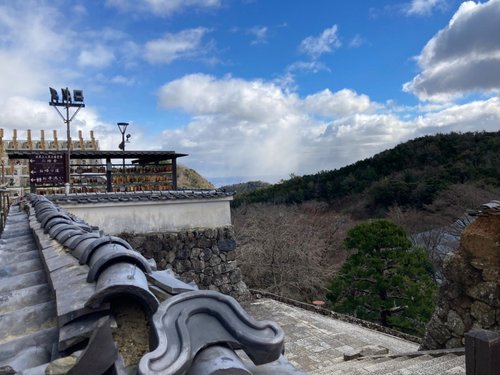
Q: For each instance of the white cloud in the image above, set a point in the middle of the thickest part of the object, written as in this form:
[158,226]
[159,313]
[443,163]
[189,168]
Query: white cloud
[252,101]
[252,121]
[122,80]
[259,33]
[255,128]
[162,7]
[341,103]
[326,42]
[22,113]
[307,66]
[357,41]
[480,115]
[423,7]
[170,47]
[462,58]
[97,57]
[32,52]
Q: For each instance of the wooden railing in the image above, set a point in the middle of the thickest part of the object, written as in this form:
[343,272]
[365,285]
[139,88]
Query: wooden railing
[482,352]
[4,206]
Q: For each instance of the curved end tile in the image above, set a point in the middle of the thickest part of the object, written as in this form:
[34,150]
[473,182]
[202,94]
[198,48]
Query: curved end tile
[177,325]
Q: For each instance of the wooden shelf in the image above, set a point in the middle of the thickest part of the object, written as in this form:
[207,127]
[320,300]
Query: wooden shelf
[136,178]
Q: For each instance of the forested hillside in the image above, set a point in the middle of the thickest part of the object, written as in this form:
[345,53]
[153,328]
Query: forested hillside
[296,238]
[411,174]
[246,187]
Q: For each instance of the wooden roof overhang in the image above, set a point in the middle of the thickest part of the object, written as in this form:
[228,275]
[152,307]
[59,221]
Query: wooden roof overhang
[139,157]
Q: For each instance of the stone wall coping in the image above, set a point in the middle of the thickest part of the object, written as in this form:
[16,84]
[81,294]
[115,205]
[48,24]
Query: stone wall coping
[154,197]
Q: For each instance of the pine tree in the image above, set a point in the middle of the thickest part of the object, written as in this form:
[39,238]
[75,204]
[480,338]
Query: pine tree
[385,280]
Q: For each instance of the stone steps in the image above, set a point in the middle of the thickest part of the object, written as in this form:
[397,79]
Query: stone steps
[438,365]
[424,364]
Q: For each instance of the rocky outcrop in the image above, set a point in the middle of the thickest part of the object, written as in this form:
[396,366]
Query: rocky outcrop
[205,256]
[470,295]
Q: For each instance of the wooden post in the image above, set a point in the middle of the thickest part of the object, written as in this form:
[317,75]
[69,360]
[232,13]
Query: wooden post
[14,139]
[482,352]
[174,173]
[42,139]
[109,176]
[1,145]
[30,142]
[56,143]
[80,140]
[92,139]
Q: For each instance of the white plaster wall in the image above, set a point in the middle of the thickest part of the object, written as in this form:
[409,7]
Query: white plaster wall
[159,216]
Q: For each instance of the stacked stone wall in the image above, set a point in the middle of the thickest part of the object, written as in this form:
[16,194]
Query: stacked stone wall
[470,295]
[205,256]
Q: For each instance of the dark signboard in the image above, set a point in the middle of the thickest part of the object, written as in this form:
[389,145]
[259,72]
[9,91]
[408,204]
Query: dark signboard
[48,169]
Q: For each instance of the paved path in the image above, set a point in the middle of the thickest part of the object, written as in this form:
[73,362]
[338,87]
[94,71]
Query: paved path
[314,341]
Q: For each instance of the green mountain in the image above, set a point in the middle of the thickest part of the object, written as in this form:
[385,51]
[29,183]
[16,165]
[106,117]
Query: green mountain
[411,174]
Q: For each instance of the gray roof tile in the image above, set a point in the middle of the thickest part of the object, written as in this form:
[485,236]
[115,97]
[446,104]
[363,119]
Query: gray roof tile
[88,198]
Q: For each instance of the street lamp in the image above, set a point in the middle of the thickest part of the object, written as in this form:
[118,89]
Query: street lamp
[67,103]
[123,128]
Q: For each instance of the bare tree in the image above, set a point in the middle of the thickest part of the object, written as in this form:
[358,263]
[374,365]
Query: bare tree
[290,250]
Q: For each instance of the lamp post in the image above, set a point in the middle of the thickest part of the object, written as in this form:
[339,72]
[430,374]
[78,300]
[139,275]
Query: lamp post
[122,126]
[67,102]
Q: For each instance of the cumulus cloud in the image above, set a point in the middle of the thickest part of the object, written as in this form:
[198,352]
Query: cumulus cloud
[479,115]
[341,103]
[326,42]
[28,44]
[162,7]
[186,43]
[253,101]
[462,58]
[252,122]
[423,7]
[257,128]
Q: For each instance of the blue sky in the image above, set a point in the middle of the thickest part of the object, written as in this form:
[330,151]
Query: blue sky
[254,89]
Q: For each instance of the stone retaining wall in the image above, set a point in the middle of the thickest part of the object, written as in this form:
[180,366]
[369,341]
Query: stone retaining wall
[470,295]
[205,256]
